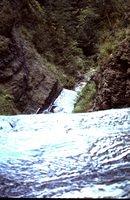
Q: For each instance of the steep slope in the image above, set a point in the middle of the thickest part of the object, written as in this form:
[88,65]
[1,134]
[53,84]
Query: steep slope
[109,87]
[113,80]
[46,44]
[24,77]
[38,52]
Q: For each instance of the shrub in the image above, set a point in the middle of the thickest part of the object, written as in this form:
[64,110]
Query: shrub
[6,103]
[85,98]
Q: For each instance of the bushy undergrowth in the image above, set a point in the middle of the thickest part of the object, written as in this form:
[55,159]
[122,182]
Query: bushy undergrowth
[85,98]
[6,103]
[71,36]
[67,33]
[109,42]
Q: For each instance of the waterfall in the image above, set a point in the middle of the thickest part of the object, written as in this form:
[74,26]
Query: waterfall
[66,100]
[66,155]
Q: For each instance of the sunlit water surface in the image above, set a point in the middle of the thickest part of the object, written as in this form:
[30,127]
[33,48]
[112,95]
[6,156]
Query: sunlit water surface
[66,155]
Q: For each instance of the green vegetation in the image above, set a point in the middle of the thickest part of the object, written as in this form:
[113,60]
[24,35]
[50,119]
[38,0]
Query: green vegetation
[71,36]
[85,98]
[69,33]
[66,81]
[110,42]
[6,103]
[108,20]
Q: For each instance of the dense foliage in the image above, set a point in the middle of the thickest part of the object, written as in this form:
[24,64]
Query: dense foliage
[72,36]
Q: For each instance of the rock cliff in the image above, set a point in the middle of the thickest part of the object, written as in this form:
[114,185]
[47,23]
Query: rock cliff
[113,80]
[23,74]
[46,44]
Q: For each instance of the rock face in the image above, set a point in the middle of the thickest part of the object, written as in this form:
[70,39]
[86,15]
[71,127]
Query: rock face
[22,70]
[24,74]
[113,80]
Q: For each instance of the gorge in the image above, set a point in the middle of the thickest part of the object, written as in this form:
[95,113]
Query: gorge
[65,99]
[47,46]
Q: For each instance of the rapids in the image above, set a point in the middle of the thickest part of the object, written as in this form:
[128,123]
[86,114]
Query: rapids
[66,155]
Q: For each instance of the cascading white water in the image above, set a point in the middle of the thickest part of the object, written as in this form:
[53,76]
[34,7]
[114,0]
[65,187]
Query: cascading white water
[66,100]
[66,155]
[61,154]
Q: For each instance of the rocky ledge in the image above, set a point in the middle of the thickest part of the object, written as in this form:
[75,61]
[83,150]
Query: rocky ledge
[113,80]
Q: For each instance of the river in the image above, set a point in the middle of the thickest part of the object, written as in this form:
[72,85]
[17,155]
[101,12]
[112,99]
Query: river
[66,155]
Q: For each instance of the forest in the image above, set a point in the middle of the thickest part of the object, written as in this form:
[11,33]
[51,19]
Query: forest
[46,45]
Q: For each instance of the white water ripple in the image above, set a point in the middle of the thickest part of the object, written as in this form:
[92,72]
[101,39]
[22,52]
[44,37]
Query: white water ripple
[65,155]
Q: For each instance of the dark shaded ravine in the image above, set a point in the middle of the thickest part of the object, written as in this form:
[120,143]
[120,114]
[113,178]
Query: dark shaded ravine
[66,155]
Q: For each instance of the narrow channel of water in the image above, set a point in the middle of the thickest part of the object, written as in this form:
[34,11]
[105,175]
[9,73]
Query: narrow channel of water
[66,100]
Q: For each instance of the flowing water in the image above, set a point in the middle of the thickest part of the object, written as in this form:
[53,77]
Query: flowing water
[66,155]
[66,100]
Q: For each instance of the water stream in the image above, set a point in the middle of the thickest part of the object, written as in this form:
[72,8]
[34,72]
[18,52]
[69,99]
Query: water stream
[66,155]
[66,100]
